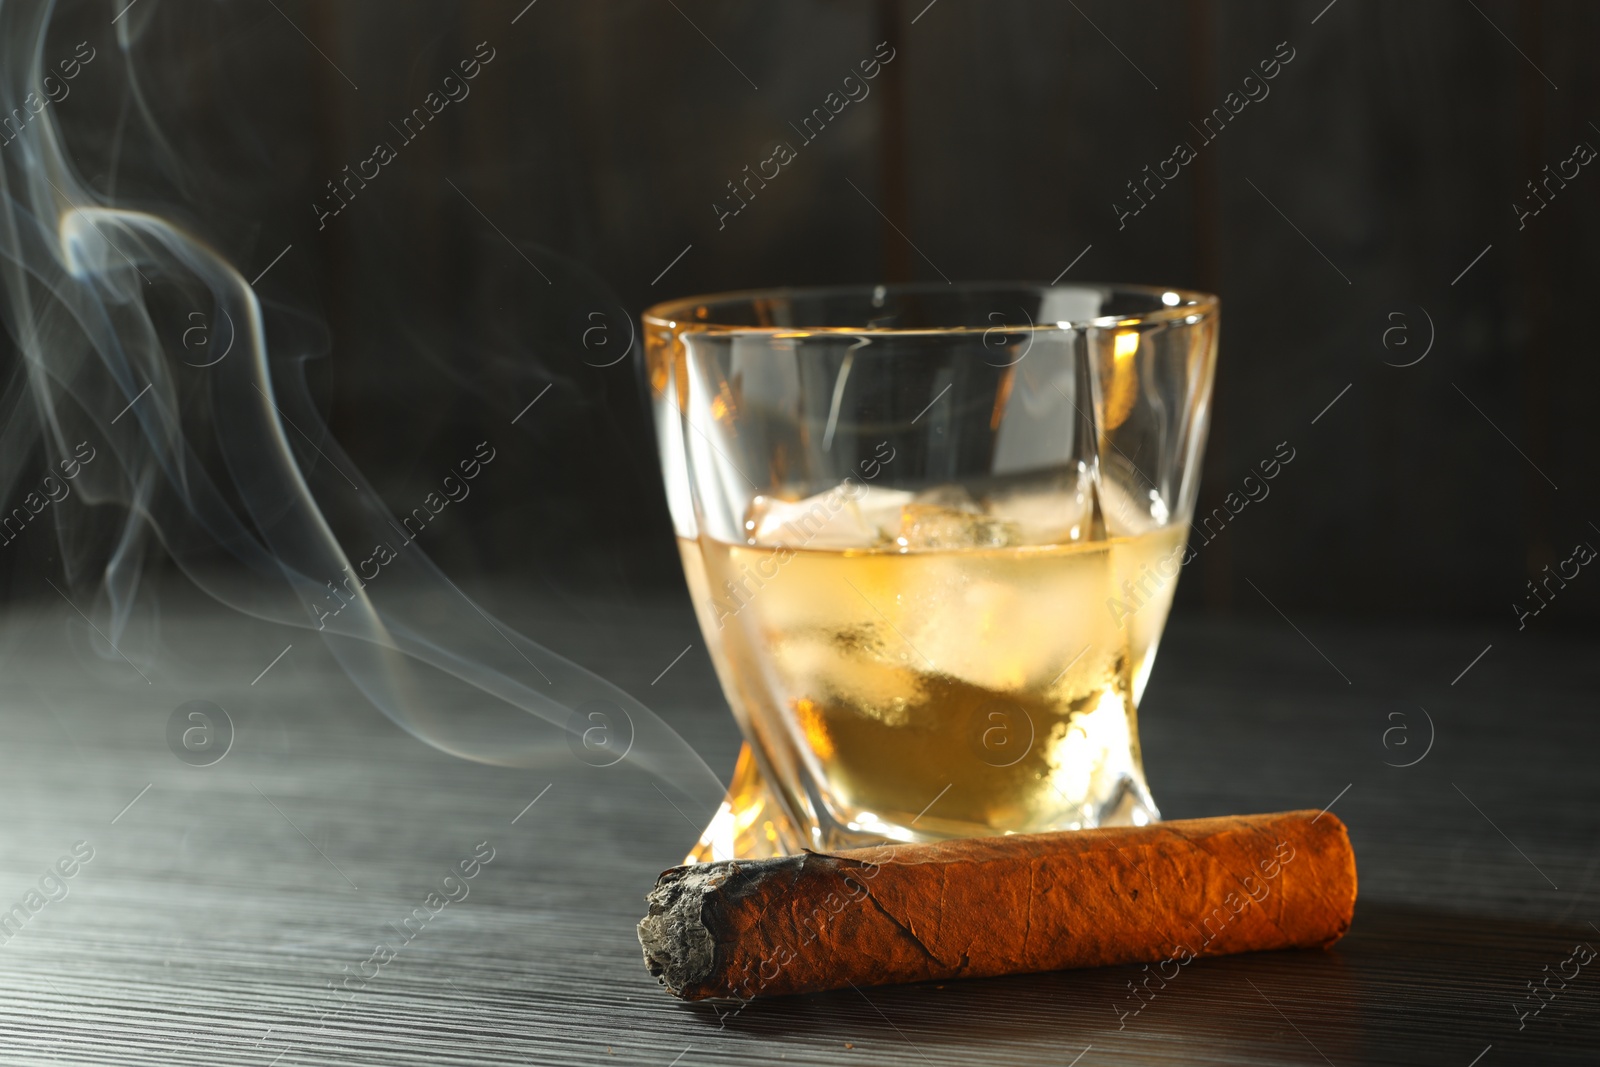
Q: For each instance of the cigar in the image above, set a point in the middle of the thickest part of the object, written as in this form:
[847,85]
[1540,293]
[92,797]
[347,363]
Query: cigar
[1167,893]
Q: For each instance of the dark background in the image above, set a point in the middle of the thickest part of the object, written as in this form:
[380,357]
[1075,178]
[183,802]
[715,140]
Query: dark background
[1387,156]
[457,289]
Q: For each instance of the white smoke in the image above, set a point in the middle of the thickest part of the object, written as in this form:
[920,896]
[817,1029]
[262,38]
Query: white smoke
[222,462]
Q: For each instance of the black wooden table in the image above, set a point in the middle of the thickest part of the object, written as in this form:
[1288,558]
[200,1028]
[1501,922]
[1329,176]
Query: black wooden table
[221,905]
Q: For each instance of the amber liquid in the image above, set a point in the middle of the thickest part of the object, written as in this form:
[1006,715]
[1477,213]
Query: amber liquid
[933,693]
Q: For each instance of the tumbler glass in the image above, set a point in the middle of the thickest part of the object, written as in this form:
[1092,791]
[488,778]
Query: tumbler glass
[931,533]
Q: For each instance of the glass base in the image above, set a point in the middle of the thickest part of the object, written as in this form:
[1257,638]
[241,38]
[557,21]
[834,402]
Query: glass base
[753,822]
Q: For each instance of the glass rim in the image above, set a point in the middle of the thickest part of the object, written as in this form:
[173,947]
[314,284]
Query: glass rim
[698,314]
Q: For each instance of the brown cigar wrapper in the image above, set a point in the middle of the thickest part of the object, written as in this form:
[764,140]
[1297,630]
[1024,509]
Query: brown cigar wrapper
[1001,905]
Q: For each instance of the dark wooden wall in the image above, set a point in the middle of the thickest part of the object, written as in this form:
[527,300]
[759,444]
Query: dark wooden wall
[1350,200]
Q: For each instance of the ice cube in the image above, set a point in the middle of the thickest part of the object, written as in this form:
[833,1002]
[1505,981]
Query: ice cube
[1130,507]
[931,526]
[850,515]
[1054,515]
[954,497]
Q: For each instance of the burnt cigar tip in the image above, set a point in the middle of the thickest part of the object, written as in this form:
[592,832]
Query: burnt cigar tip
[687,903]
[678,948]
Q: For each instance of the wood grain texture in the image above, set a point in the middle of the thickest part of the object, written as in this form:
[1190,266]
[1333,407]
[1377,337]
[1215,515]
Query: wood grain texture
[215,911]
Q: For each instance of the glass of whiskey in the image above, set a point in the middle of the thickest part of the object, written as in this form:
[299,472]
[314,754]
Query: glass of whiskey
[931,534]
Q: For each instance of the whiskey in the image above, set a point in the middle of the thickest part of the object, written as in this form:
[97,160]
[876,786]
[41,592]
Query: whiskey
[937,692]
